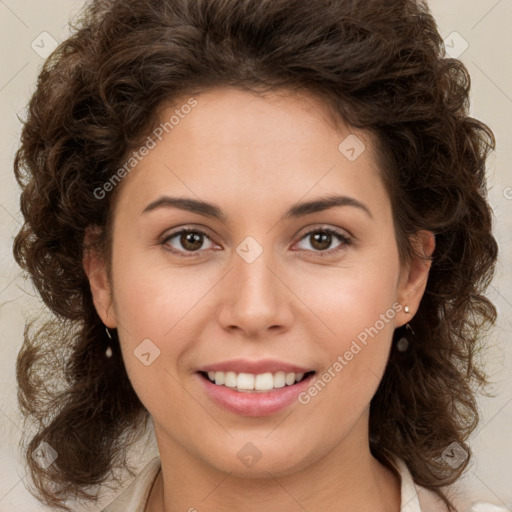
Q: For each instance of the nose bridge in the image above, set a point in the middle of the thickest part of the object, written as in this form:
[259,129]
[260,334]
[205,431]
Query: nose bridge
[254,298]
[255,282]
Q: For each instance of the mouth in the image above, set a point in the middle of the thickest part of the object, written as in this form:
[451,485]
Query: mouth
[254,394]
[255,383]
[254,387]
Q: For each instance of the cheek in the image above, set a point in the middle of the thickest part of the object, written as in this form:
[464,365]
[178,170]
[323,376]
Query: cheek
[143,316]
[158,310]
[357,306]
[352,298]
[152,296]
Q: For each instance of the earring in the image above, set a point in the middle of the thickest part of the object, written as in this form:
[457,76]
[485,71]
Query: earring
[403,343]
[108,352]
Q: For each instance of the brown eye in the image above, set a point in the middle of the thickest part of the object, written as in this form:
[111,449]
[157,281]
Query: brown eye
[191,241]
[320,240]
[186,240]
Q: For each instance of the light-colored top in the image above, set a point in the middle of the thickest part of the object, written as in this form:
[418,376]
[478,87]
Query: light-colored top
[414,498]
[135,496]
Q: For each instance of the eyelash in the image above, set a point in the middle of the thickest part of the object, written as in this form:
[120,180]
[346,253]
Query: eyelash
[346,241]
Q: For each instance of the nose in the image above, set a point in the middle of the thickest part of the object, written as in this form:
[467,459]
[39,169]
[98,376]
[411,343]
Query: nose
[255,297]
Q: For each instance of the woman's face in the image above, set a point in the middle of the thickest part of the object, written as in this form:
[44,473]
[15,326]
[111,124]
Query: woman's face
[263,285]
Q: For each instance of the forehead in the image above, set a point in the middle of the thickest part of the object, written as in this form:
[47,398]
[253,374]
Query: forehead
[279,114]
[234,144]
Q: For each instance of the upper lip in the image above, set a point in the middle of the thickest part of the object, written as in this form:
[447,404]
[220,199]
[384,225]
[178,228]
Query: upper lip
[255,367]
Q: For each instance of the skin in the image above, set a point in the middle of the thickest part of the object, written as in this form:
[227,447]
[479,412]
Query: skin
[254,157]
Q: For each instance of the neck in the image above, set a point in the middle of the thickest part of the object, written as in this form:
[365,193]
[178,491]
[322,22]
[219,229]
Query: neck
[348,478]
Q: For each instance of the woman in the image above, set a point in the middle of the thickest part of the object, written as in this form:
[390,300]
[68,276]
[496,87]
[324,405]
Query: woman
[263,225]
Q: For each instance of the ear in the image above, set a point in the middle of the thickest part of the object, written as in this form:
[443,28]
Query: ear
[96,271]
[414,275]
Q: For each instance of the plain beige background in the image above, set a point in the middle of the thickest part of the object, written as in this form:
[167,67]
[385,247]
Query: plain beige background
[29,30]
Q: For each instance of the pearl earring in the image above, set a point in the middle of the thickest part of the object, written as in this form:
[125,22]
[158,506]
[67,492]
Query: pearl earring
[108,352]
[403,343]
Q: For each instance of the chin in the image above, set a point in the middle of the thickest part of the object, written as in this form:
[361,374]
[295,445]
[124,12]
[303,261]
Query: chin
[257,459]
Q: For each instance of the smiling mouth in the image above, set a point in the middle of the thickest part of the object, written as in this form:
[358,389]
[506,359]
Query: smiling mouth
[255,383]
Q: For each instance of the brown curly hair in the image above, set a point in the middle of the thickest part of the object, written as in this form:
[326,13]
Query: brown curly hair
[379,66]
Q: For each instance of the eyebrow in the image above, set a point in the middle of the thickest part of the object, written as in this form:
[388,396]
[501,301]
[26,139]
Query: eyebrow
[297,210]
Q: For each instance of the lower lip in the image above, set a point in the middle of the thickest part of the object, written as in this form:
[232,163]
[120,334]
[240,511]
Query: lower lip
[256,403]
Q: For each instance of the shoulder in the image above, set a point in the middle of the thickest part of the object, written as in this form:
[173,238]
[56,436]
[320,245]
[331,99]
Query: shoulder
[416,498]
[135,496]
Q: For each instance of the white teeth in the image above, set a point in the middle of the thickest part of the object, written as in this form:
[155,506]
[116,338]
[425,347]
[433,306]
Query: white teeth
[245,381]
[263,382]
[289,379]
[279,379]
[230,379]
[251,382]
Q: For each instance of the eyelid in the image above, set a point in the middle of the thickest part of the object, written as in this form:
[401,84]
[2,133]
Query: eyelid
[325,227]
